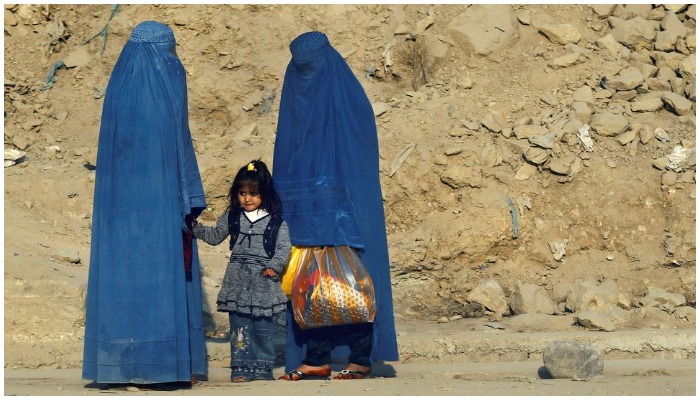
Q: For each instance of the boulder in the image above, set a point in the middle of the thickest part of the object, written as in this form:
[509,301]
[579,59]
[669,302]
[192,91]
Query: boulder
[532,299]
[566,359]
[490,295]
[607,123]
[484,29]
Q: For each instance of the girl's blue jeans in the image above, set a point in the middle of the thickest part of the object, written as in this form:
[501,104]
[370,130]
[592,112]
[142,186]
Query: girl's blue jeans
[252,352]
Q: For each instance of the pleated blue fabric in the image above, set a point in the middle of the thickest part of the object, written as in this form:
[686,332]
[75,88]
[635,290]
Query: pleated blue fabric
[326,171]
[144,311]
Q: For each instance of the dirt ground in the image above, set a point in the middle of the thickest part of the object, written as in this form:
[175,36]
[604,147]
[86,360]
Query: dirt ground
[449,121]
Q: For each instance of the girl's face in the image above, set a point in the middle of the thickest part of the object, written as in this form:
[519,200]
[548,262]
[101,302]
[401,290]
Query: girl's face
[249,198]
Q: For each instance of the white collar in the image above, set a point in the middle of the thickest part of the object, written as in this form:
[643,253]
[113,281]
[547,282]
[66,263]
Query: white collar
[255,214]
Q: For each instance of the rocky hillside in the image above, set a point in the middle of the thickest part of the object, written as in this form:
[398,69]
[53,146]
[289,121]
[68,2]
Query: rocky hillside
[534,158]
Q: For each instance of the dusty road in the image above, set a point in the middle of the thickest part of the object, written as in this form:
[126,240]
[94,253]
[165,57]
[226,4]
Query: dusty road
[629,377]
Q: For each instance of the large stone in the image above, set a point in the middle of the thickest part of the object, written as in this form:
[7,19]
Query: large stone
[566,359]
[588,295]
[635,33]
[459,176]
[660,298]
[490,295]
[532,299]
[677,103]
[626,79]
[595,320]
[609,43]
[647,103]
[585,94]
[561,33]
[566,60]
[430,54]
[529,131]
[484,29]
[687,68]
[665,41]
[673,25]
[603,10]
[607,123]
[581,111]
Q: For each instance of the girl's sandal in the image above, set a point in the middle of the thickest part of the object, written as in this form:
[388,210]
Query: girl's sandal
[240,379]
[352,374]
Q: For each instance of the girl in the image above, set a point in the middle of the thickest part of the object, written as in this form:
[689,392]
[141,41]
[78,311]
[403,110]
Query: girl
[251,291]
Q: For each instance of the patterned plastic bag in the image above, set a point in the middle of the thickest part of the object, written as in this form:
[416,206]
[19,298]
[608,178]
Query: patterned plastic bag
[297,256]
[332,287]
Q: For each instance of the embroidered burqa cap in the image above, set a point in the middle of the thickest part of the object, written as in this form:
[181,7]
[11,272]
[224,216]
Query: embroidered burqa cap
[144,312]
[326,171]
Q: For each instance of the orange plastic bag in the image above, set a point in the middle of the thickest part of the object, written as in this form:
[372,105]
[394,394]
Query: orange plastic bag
[332,287]
[296,256]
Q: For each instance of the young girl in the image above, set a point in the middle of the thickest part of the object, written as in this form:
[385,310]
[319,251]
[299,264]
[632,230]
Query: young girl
[251,291]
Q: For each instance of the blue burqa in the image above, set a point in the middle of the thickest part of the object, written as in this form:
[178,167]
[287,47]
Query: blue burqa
[326,171]
[144,310]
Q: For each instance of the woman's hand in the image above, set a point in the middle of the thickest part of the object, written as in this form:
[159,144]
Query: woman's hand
[269,273]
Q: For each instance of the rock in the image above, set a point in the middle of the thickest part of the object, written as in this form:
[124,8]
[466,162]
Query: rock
[430,54]
[581,111]
[641,10]
[665,41]
[603,10]
[537,155]
[525,172]
[30,124]
[584,94]
[20,141]
[673,25]
[560,33]
[565,61]
[380,108]
[529,131]
[13,157]
[651,103]
[685,313]
[607,123]
[566,359]
[609,43]
[657,84]
[490,156]
[71,256]
[626,137]
[78,57]
[453,150]
[586,295]
[545,141]
[687,68]
[459,176]
[677,103]
[626,79]
[636,33]
[484,29]
[678,86]
[671,60]
[532,299]
[595,320]
[490,295]
[423,25]
[668,178]
[490,123]
[660,298]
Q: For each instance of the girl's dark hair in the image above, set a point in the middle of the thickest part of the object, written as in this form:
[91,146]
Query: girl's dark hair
[256,175]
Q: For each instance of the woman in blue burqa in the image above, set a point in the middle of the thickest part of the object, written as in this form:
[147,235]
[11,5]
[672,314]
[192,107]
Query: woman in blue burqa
[144,305]
[326,171]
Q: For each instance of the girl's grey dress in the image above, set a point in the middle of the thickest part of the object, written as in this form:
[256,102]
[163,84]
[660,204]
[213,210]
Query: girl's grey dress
[250,298]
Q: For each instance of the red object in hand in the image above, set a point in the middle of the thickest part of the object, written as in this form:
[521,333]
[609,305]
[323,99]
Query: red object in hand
[187,244]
